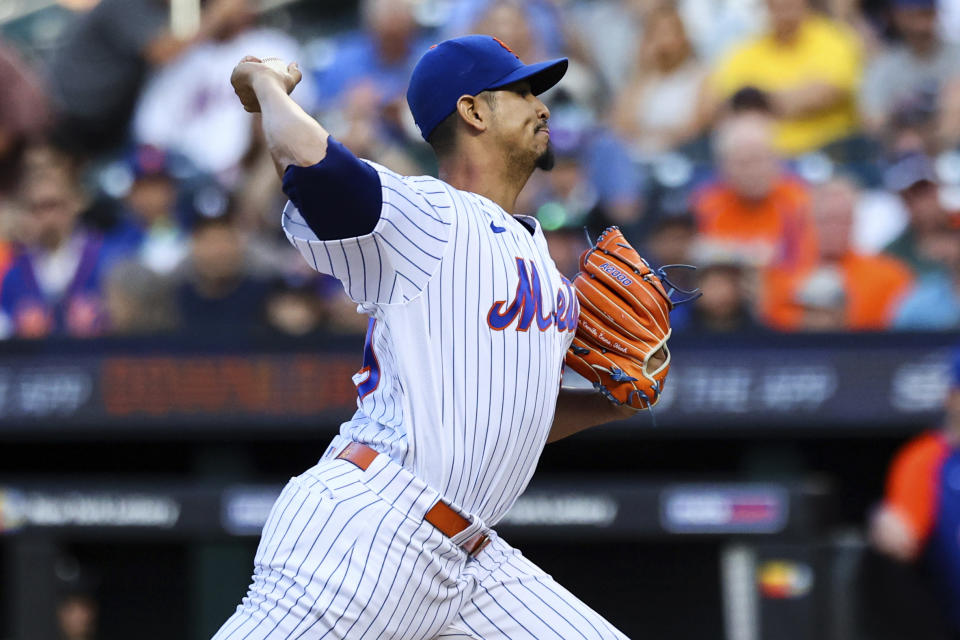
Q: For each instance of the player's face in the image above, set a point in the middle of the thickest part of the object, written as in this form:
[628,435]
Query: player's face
[519,125]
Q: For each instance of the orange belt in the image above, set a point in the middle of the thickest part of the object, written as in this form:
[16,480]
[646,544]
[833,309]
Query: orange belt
[440,515]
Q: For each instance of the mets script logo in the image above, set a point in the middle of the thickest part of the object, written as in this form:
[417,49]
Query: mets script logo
[527,305]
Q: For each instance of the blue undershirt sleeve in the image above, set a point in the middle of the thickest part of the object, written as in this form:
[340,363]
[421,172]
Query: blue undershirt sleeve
[339,197]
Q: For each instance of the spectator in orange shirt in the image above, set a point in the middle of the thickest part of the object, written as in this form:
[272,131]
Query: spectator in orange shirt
[754,210]
[869,286]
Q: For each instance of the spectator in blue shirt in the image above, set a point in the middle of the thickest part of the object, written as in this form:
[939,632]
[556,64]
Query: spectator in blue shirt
[53,285]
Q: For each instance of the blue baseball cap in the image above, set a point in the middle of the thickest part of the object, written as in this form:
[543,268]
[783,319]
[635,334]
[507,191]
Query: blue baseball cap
[467,66]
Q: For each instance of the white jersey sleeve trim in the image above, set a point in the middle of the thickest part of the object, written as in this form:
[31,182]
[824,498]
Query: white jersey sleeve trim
[393,263]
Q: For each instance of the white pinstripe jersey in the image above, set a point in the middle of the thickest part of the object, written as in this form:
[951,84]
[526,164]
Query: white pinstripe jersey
[469,321]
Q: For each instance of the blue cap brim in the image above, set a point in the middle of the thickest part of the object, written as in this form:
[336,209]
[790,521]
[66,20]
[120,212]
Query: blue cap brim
[541,75]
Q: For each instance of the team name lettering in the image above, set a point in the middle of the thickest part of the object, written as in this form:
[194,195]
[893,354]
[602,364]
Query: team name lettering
[528,305]
[616,273]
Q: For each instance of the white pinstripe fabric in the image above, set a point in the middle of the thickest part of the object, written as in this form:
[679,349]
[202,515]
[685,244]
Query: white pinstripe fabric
[346,554]
[464,405]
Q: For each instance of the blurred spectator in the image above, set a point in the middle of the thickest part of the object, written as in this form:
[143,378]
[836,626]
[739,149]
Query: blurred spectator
[53,285]
[137,300]
[754,209]
[217,293]
[97,71]
[23,114]
[294,306]
[510,21]
[920,64]
[822,301]
[919,519]
[363,129]
[661,106]
[717,25]
[671,241]
[188,107]
[924,243]
[809,65]
[150,232]
[512,24]
[726,304]
[843,289]
[934,303]
[382,53]
[78,610]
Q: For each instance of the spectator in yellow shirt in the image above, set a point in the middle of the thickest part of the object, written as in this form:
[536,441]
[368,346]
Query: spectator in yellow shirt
[810,67]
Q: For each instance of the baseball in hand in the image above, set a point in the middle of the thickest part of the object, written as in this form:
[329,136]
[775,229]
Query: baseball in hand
[277,64]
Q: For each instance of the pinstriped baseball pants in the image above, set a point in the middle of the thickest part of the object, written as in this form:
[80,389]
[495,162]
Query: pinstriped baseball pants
[346,554]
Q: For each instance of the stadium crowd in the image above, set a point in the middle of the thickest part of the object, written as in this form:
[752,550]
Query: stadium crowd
[805,155]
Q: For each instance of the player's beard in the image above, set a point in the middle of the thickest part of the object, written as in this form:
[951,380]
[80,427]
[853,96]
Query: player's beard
[547,159]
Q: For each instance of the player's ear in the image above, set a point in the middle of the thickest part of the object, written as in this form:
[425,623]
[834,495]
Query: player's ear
[472,112]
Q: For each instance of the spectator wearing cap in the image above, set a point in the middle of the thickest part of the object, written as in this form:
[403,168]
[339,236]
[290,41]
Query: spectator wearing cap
[151,232]
[216,291]
[754,208]
[921,63]
[809,65]
[843,289]
[660,108]
[918,521]
[53,285]
[923,243]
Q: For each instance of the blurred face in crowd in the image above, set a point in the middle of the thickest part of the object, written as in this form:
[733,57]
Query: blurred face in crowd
[152,198]
[833,205]
[918,26]
[294,313]
[77,616]
[786,16]
[392,24]
[566,176]
[723,292]
[665,39]
[508,22]
[217,252]
[670,243]
[923,202]
[52,203]
[748,161]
